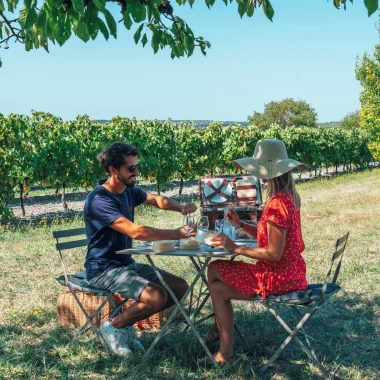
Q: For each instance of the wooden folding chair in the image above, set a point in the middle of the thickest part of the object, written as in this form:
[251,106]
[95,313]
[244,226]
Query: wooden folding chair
[309,301]
[77,282]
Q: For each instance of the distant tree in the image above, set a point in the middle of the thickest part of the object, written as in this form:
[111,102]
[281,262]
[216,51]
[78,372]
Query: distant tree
[368,73]
[350,121]
[285,113]
[38,23]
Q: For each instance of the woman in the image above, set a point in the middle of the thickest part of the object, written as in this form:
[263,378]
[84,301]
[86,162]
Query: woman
[280,267]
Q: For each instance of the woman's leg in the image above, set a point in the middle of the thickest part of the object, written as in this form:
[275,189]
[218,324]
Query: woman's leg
[221,296]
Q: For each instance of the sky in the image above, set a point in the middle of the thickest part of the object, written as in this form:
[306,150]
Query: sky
[308,52]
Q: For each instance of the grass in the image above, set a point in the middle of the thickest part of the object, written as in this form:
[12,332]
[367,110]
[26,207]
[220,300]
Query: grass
[33,345]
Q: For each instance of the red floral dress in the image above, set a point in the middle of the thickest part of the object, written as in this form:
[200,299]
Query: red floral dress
[268,277]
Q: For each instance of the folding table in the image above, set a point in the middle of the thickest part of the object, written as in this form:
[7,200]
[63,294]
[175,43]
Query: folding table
[205,252]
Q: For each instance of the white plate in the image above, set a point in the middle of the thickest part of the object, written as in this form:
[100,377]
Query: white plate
[226,189]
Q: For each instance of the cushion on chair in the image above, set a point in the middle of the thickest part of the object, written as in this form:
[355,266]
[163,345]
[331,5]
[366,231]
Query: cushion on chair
[78,281]
[302,297]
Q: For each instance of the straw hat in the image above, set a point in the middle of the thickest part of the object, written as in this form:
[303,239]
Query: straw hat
[270,160]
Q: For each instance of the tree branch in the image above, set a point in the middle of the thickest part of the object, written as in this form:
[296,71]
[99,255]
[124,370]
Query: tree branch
[15,34]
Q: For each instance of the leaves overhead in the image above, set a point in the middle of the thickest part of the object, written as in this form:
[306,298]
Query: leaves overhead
[55,21]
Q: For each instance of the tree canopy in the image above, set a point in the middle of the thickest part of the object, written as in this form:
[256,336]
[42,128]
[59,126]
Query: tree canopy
[368,73]
[41,22]
[285,113]
[351,120]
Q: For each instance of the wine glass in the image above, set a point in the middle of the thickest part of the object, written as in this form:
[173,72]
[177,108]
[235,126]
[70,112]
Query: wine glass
[203,223]
[188,224]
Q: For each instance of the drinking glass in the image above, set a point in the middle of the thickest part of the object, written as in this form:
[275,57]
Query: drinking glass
[203,223]
[219,225]
[188,224]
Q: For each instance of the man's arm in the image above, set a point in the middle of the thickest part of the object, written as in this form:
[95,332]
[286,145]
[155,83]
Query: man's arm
[166,203]
[144,233]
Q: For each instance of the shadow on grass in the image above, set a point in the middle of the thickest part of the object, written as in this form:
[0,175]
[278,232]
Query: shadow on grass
[349,323]
[33,348]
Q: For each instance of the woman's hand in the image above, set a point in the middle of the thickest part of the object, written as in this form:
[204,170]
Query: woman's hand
[233,217]
[223,241]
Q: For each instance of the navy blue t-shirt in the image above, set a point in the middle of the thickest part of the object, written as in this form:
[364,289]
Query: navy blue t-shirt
[101,209]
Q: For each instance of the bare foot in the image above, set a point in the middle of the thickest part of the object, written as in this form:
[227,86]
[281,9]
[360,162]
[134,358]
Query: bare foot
[223,359]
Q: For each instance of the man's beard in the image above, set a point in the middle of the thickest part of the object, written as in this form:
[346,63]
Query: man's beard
[124,181]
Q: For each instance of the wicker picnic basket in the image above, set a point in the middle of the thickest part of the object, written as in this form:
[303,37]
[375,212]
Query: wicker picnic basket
[70,314]
[238,191]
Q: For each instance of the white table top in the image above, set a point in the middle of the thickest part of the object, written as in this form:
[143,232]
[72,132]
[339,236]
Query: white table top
[204,251]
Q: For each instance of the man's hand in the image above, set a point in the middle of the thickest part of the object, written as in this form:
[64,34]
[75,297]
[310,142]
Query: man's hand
[184,233]
[223,241]
[188,209]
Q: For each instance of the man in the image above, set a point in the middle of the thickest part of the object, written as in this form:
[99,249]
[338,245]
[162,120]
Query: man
[109,219]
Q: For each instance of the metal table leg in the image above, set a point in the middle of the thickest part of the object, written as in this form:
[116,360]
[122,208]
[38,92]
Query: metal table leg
[182,310]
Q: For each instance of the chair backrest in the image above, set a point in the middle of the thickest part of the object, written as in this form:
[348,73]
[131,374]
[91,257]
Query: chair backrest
[61,246]
[69,243]
[340,246]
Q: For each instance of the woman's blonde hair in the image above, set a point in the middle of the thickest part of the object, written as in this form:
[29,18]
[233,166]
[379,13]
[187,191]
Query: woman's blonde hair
[284,183]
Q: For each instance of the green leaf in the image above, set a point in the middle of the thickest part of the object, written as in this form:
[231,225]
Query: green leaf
[243,7]
[82,32]
[91,20]
[209,3]
[60,32]
[103,29]
[1,63]
[2,7]
[110,22]
[22,17]
[100,4]
[372,6]
[155,42]
[137,35]
[28,3]
[31,18]
[137,10]
[78,5]
[268,9]
[41,20]
[189,43]
[144,40]
[251,10]
[127,20]
[156,13]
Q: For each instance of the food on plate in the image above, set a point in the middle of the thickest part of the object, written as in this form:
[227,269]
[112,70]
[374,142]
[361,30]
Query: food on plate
[163,245]
[189,244]
[204,236]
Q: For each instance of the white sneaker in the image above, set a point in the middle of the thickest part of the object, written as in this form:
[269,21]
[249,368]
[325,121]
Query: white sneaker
[117,339]
[135,344]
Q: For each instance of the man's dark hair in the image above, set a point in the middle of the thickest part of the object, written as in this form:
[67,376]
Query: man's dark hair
[114,155]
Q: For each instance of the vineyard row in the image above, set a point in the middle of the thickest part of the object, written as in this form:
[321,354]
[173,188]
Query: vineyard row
[45,149]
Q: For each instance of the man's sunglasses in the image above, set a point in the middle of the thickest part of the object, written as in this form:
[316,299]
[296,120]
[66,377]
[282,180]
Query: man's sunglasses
[132,169]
